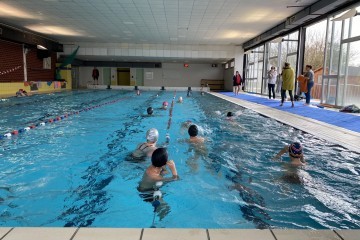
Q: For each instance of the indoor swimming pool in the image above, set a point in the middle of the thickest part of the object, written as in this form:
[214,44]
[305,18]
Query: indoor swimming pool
[76,169]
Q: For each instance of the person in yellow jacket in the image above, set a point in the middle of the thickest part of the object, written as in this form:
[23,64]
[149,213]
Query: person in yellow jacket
[288,77]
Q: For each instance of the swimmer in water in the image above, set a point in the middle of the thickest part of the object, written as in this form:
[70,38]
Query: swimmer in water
[165,105]
[147,148]
[229,116]
[150,110]
[155,171]
[180,100]
[296,154]
[193,133]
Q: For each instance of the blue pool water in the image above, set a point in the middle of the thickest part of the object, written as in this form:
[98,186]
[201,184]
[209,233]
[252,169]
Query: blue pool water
[76,172]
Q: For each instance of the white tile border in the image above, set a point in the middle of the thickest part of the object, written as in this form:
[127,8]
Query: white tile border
[340,136]
[55,233]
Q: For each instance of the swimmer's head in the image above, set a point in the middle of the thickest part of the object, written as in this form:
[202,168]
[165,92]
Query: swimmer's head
[152,135]
[295,150]
[165,104]
[150,110]
[193,131]
[230,114]
[180,99]
[159,157]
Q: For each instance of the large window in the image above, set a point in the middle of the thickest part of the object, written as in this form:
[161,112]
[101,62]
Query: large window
[341,75]
[314,54]
[332,47]
[254,70]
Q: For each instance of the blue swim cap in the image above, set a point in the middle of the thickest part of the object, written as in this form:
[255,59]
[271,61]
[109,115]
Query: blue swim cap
[295,150]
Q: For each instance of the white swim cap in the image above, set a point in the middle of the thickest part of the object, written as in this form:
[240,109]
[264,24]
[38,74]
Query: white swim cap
[152,135]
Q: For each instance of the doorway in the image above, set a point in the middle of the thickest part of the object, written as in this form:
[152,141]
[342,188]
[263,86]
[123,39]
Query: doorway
[123,76]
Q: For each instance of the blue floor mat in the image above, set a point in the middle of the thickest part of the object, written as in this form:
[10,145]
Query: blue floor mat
[344,120]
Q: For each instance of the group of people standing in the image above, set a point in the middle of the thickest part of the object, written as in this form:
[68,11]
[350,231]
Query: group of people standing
[306,82]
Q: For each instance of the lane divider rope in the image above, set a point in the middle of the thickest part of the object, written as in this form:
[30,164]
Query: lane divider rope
[56,119]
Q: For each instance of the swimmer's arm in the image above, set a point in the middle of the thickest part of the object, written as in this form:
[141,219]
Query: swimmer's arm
[171,165]
[302,160]
[282,151]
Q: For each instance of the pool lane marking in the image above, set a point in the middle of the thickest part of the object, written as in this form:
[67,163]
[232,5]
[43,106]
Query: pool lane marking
[167,136]
[56,119]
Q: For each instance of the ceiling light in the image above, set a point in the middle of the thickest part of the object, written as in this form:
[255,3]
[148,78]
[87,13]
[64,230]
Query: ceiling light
[348,14]
[54,30]
[128,23]
[9,11]
[41,47]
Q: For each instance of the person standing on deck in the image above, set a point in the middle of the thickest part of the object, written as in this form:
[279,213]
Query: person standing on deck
[288,76]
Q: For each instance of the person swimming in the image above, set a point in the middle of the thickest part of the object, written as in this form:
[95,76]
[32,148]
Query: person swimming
[165,105]
[150,110]
[193,133]
[147,148]
[230,114]
[21,93]
[154,173]
[180,100]
[296,154]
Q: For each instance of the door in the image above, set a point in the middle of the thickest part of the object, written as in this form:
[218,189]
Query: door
[123,75]
[107,76]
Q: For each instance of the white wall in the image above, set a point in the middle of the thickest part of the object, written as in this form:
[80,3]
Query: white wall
[229,73]
[176,75]
[170,75]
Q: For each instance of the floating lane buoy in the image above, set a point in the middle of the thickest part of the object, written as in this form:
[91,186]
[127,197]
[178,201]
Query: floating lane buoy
[32,126]
[51,120]
[58,118]
[15,132]
[42,124]
[26,129]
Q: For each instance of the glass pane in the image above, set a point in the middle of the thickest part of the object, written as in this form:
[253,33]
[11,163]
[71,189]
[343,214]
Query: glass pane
[316,90]
[273,49]
[315,45]
[349,81]
[329,91]
[333,50]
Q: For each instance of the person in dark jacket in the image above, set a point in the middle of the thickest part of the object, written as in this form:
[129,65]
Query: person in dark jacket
[236,83]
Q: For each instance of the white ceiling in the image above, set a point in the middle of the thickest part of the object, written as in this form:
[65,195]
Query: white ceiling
[209,22]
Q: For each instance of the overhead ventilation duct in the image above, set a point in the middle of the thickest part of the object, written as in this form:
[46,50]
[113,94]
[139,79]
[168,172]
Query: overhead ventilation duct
[24,37]
[309,13]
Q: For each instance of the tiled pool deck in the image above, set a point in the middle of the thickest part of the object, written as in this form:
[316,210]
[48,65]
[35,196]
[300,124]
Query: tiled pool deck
[172,234]
[341,136]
